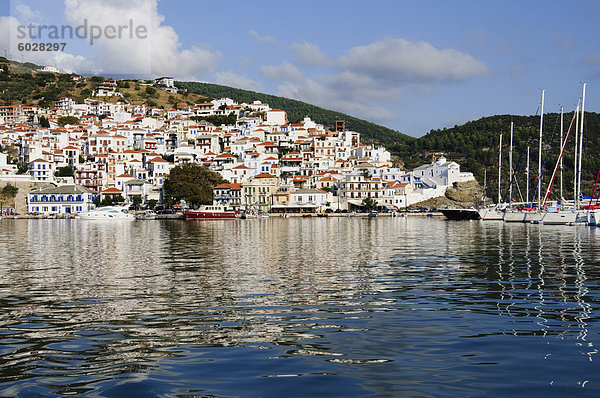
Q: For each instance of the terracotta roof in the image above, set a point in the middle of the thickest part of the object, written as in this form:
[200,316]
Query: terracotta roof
[157,160]
[112,191]
[264,175]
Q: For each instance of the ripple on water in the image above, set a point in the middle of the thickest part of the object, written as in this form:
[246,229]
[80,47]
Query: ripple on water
[297,307]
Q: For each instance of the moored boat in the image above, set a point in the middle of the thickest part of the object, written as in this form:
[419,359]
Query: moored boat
[460,214]
[564,217]
[491,214]
[146,215]
[108,213]
[209,213]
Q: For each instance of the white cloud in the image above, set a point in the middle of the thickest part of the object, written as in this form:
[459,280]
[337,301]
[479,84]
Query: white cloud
[311,54]
[9,41]
[234,80]
[155,50]
[286,72]
[344,92]
[24,13]
[592,63]
[399,61]
[366,80]
[264,39]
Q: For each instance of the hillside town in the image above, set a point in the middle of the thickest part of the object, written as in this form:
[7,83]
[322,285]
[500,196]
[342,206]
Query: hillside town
[115,148]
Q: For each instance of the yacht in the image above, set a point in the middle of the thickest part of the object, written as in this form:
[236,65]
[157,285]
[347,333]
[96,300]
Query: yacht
[210,213]
[108,213]
[461,214]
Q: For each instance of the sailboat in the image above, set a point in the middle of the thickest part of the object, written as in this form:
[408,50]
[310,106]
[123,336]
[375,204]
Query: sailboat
[557,215]
[494,212]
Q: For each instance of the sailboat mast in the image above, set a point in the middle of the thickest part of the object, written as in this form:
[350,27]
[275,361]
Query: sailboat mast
[527,177]
[499,168]
[575,169]
[581,142]
[539,188]
[510,168]
[561,160]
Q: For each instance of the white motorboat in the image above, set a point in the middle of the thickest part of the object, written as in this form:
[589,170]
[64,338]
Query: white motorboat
[146,215]
[108,213]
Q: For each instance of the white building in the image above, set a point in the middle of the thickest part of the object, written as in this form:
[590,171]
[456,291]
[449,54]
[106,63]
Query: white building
[443,172]
[166,81]
[276,116]
[67,199]
[41,170]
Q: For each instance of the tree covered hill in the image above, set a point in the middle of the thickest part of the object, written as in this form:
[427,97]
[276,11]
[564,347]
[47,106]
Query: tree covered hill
[475,146]
[298,110]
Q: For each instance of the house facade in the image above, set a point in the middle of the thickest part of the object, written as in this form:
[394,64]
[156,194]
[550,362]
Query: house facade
[67,199]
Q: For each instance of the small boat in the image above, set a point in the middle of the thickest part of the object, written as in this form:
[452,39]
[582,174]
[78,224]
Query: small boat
[460,214]
[373,214]
[209,213]
[108,213]
[146,215]
[247,214]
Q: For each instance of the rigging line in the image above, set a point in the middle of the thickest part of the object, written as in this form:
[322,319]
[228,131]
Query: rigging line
[539,184]
[516,179]
[563,146]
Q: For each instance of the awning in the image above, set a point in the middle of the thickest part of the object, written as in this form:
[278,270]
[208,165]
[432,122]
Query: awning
[355,202]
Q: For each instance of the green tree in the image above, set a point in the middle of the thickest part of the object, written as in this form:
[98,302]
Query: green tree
[12,153]
[66,171]
[109,200]
[369,203]
[44,122]
[64,120]
[151,203]
[192,183]
[169,158]
[136,200]
[22,168]
[8,194]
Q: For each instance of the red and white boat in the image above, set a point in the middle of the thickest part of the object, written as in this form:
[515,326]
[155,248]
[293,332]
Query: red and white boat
[209,213]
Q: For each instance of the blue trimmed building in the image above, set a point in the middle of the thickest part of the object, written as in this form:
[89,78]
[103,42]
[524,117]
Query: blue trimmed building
[67,199]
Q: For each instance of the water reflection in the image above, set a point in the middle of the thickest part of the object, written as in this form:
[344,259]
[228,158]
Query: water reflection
[382,306]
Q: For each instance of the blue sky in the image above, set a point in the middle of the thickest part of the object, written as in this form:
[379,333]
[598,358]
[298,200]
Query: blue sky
[411,66]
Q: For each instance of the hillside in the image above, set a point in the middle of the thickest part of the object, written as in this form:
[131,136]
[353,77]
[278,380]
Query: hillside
[298,110]
[475,146]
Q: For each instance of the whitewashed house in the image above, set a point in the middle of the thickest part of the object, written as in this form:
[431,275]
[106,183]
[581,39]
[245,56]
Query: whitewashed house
[66,199]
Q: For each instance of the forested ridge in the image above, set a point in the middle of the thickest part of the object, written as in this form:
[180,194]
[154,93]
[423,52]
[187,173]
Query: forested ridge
[474,145]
